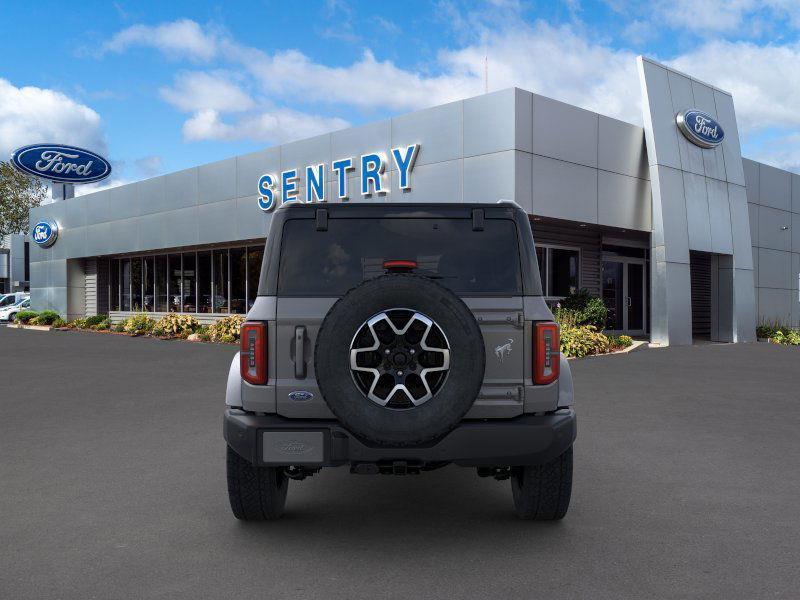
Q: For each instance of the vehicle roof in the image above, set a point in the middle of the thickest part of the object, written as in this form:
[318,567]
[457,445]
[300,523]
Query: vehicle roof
[408,209]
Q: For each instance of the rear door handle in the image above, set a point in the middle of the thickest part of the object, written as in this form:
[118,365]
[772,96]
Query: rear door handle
[300,352]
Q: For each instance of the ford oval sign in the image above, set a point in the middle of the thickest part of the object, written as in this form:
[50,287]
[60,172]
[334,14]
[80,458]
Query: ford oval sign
[65,164]
[700,128]
[300,396]
[45,233]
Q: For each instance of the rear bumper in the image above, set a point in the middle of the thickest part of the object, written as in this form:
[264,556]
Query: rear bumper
[271,440]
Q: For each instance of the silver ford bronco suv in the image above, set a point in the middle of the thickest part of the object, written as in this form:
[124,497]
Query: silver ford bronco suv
[399,338]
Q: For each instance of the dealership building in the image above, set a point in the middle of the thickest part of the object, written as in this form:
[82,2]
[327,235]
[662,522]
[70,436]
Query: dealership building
[681,236]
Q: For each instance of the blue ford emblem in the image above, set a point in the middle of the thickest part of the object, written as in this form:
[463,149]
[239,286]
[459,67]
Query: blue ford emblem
[65,164]
[700,128]
[44,233]
[300,396]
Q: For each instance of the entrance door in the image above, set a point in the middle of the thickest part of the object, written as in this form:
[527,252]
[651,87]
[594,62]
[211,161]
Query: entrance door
[625,294]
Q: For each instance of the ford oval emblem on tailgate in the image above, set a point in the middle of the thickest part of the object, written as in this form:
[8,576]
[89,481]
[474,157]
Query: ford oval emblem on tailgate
[300,396]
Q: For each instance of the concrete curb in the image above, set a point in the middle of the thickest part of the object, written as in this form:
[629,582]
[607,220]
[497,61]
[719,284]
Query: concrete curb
[33,327]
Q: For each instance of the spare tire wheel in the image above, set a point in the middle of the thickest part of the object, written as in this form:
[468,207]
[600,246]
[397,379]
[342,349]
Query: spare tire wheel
[399,359]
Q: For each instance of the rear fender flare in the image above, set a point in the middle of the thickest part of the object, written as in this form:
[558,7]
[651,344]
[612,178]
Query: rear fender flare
[233,390]
[565,389]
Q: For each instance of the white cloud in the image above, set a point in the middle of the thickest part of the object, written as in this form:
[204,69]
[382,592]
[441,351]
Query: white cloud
[198,90]
[276,126]
[30,114]
[764,80]
[151,165]
[562,62]
[181,38]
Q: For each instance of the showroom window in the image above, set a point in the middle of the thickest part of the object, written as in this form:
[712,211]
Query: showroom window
[223,280]
[559,269]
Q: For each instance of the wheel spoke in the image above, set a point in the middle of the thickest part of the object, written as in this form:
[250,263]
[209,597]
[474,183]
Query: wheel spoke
[404,348]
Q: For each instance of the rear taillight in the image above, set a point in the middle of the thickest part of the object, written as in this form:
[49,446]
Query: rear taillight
[546,355]
[253,353]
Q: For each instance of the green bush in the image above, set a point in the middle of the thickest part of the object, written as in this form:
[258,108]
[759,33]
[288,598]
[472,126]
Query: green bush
[59,322]
[768,329]
[90,322]
[25,316]
[568,317]
[138,324]
[588,309]
[119,327]
[204,333]
[583,340]
[620,341]
[176,325]
[46,317]
[226,329]
[103,325]
[790,337]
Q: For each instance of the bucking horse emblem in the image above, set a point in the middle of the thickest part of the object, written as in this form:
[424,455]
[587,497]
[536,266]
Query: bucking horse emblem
[503,350]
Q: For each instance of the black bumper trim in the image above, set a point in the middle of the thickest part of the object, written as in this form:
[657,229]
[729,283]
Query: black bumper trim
[524,440]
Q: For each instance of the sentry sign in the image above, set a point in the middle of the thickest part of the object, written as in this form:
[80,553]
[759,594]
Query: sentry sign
[700,128]
[64,164]
[274,189]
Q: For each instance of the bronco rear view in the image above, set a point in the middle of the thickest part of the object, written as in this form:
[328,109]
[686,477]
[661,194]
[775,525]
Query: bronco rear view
[395,339]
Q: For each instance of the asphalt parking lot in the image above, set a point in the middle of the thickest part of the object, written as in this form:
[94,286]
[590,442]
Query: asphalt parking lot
[112,485]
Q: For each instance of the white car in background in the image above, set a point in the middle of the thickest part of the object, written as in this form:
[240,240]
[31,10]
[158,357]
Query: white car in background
[13,298]
[7,313]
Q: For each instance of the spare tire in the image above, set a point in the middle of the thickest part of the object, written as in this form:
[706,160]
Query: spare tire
[399,359]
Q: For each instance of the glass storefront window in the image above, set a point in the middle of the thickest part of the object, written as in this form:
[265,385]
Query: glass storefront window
[147,284]
[219,283]
[204,282]
[563,276]
[189,279]
[559,269]
[136,284]
[238,280]
[160,283]
[126,284]
[174,283]
[113,279]
[254,257]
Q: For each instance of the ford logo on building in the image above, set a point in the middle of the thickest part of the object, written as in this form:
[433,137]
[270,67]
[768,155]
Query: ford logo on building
[65,164]
[45,233]
[700,128]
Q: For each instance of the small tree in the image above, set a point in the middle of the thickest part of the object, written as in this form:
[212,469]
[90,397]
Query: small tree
[18,194]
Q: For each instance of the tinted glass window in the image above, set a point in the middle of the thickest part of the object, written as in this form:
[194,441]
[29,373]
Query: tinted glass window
[563,272]
[328,263]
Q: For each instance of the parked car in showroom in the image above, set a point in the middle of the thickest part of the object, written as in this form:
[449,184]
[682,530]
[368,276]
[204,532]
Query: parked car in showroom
[8,312]
[398,339]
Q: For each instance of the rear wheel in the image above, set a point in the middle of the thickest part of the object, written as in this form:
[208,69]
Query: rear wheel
[255,493]
[542,492]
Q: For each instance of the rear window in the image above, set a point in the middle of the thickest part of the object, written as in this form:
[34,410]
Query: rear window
[329,263]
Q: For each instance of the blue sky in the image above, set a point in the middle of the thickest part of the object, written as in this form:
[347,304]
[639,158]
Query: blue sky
[159,86]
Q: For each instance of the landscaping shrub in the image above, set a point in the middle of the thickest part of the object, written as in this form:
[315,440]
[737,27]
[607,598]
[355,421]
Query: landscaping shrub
[138,324]
[779,333]
[583,340]
[175,325]
[91,322]
[620,341]
[59,322]
[204,333]
[789,337]
[103,325]
[588,309]
[25,316]
[46,317]
[226,329]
